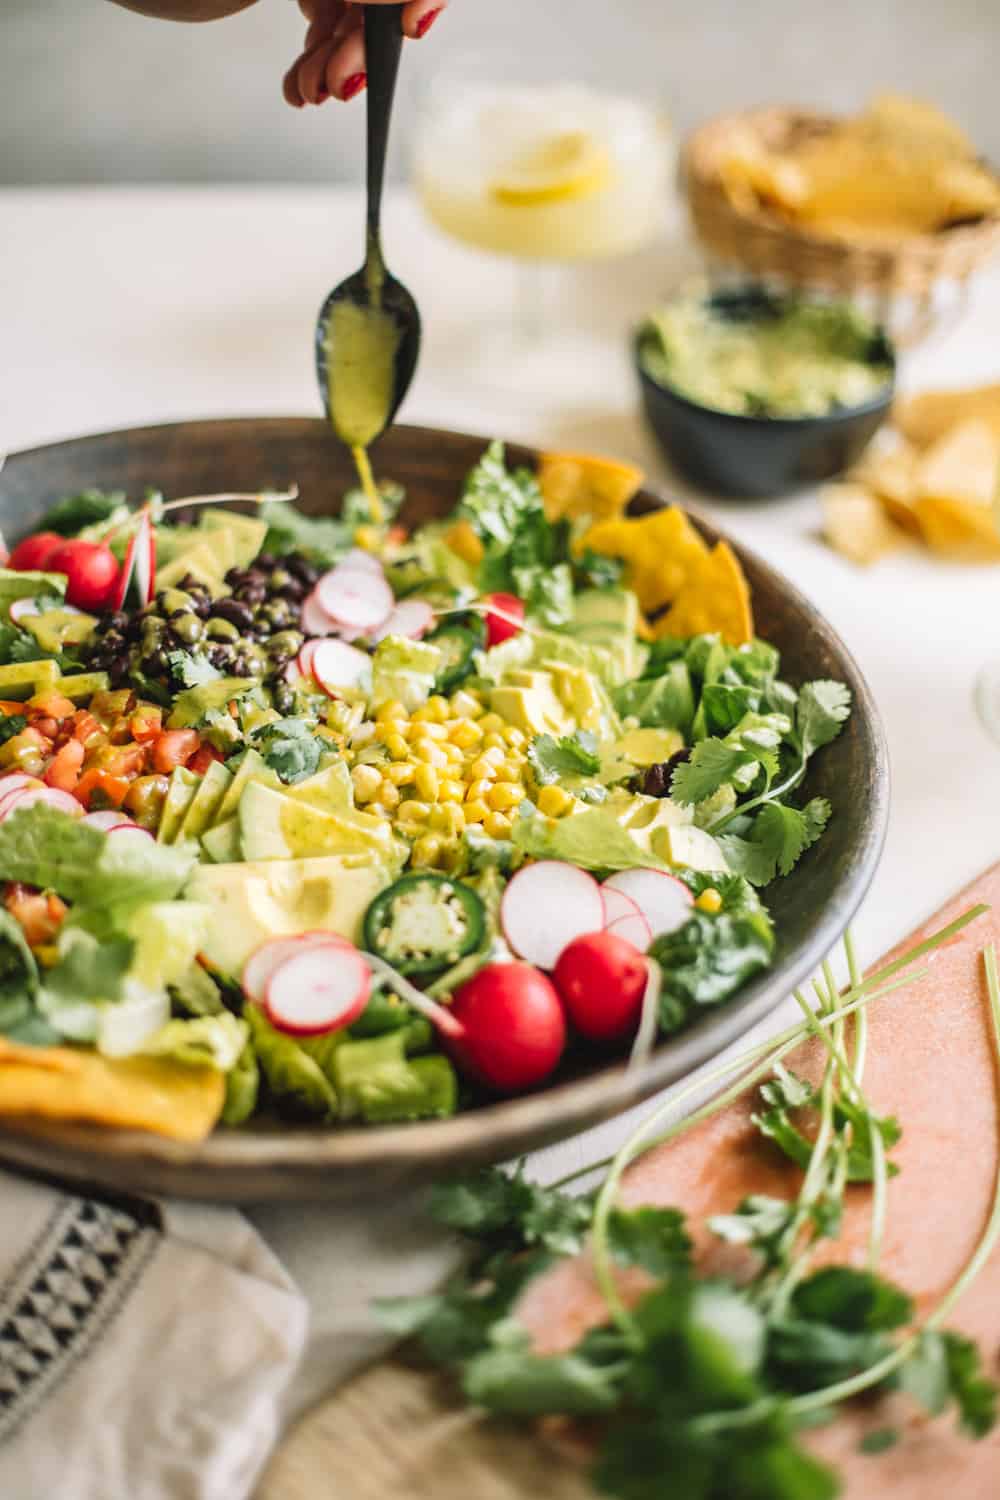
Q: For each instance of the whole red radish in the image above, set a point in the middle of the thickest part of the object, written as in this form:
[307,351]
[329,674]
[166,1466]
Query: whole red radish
[91,570]
[515,1030]
[601,979]
[504,619]
[33,553]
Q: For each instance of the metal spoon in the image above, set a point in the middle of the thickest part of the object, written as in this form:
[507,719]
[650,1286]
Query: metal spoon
[368,331]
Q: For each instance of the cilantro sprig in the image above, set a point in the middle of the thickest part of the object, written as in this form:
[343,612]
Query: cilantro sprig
[710,1380]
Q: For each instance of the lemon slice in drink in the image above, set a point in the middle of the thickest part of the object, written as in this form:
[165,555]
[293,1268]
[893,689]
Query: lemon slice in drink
[569,165]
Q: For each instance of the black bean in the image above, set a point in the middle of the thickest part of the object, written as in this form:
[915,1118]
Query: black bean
[265,561]
[305,571]
[656,782]
[252,593]
[235,612]
[202,605]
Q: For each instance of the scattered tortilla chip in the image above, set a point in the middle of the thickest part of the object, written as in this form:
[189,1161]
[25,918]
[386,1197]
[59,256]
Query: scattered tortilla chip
[582,485]
[134,1093]
[925,418]
[661,552]
[889,475]
[959,529]
[464,542]
[855,524]
[716,598]
[963,465]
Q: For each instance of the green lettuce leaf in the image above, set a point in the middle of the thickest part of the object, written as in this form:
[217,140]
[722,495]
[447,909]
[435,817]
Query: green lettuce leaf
[594,840]
[294,1079]
[405,670]
[41,846]
[215,1041]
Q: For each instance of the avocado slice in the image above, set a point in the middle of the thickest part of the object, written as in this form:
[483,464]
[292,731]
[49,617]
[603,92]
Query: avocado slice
[649,747]
[690,846]
[180,794]
[23,679]
[251,768]
[274,825]
[17,585]
[205,803]
[247,532]
[222,843]
[83,685]
[222,544]
[330,789]
[253,902]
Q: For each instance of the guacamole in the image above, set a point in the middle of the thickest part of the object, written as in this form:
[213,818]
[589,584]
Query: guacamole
[758,355]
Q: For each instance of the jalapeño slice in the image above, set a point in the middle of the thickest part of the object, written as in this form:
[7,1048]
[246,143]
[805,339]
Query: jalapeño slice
[423,923]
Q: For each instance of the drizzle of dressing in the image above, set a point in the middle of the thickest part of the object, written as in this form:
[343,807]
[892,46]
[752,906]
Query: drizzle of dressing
[361,345]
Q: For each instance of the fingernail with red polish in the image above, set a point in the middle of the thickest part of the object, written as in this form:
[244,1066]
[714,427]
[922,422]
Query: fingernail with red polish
[353,85]
[427,21]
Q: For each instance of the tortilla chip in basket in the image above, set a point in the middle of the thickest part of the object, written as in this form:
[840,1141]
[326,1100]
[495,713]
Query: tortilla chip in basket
[715,599]
[134,1093]
[583,484]
[661,552]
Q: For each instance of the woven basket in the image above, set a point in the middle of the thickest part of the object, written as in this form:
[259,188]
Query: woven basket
[908,286]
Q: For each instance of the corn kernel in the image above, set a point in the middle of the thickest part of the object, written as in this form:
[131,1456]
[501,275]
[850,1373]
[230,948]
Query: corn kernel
[554,801]
[426,782]
[497,825]
[427,729]
[491,723]
[366,782]
[455,754]
[476,790]
[426,851]
[388,796]
[465,734]
[495,753]
[412,811]
[494,741]
[466,705]
[447,818]
[482,770]
[397,747]
[514,736]
[451,791]
[508,772]
[401,773]
[434,711]
[392,709]
[709,901]
[476,812]
[500,798]
[426,750]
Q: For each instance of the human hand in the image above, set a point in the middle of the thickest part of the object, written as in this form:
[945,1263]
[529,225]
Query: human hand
[332,62]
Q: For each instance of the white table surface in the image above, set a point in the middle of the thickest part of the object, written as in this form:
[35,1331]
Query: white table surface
[132,306]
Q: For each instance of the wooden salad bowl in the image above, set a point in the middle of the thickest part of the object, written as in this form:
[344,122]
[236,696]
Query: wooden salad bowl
[273,1160]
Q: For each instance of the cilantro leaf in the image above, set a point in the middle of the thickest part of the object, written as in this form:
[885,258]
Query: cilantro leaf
[290,747]
[711,764]
[879,1440]
[547,592]
[760,1222]
[512,1381]
[974,1394]
[779,836]
[74,512]
[459,1322]
[89,969]
[707,960]
[191,669]
[595,571]
[653,1238]
[856,1301]
[663,702]
[572,755]
[321,538]
[506,1210]
[496,501]
[822,708]
[11,725]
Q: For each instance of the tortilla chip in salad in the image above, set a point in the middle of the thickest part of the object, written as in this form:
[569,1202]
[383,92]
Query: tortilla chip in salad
[715,599]
[577,485]
[134,1093]
[661,551]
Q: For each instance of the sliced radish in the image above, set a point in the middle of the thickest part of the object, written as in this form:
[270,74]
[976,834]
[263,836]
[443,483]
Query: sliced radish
[125,576]
[338,667]
[145,559]
[634,929]
[546,906]
[27,796]
[355,598]
[315,620]
[264,960]
[413,618]
[14,780]
[128,830]
[322,988]
[616,904]
[4,552]
[357,557]
[21,608]
[305,658]
[107,819]
[664,900]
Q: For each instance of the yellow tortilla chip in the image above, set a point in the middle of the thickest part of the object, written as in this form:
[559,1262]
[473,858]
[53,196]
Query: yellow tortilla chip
[135,1093]
[963,465]
[716,599]
[889,475]
[582,484]
[464,542]
[959,529]
[925,418]
[918,122]
[661,551]
[855,524]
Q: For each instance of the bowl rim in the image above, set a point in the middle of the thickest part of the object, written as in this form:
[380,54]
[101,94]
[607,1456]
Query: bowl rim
[310,1156]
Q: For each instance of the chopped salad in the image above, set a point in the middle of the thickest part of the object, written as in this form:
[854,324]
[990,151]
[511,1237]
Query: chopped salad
[355,823]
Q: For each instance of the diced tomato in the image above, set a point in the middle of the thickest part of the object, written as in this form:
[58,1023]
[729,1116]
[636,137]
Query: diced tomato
[100,789]
[39,913]
[50,706]
[202,759]
[48,727]
[146,725]
[64,770]
[86,727]
[128,760]
[174,748]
